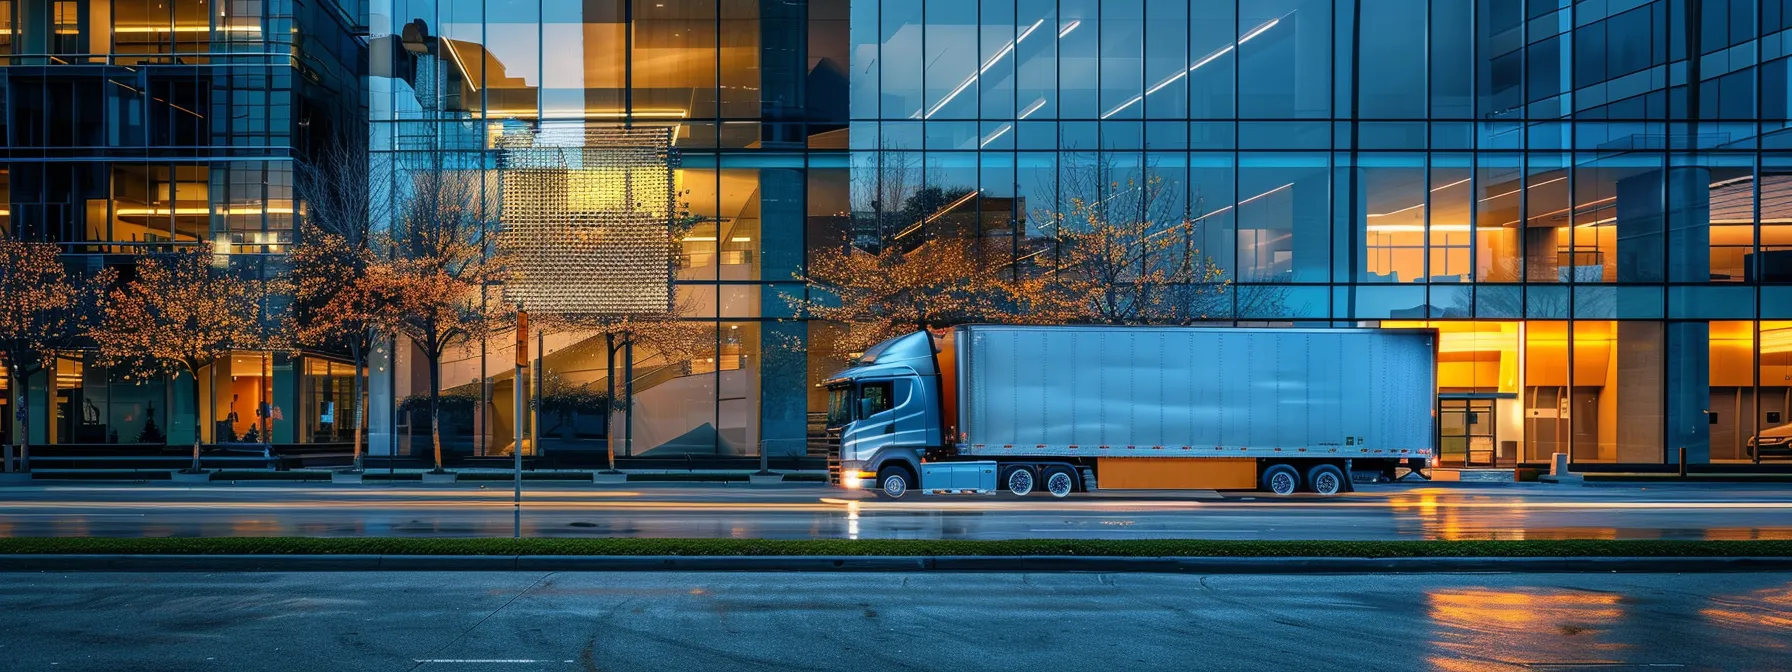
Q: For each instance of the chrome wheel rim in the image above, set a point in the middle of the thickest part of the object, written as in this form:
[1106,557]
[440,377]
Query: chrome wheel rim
[1282,483]
[1326,483]
[1059,484]
[895,485]
[1020,482]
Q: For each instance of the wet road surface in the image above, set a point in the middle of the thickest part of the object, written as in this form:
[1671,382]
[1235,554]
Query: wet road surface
[1704,511]
[512,622]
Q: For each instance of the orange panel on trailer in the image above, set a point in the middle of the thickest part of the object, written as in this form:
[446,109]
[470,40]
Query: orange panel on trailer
[1160,473]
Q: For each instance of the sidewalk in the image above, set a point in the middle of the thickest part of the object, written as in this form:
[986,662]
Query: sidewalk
[480,475]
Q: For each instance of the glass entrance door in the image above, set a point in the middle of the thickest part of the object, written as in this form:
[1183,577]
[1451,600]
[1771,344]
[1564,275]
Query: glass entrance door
[1465,432]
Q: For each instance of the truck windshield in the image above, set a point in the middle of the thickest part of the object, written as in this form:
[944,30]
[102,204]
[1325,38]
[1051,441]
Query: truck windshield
[839,406]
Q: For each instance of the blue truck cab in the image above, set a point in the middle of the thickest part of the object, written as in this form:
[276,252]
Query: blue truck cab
[884,412]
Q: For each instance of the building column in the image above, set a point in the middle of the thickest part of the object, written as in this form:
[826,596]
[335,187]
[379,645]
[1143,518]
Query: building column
[1664,233]
[381,400]
[783,404]
[783,66]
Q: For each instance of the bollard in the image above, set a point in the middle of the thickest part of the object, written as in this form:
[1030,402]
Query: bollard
[1558,464]
[1683,461]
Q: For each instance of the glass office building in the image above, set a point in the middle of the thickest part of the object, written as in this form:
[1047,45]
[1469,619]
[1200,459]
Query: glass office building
[1590,201]
[754,93]
[138,126]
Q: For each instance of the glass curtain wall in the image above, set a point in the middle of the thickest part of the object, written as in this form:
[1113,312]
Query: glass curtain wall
[1586,200]
[755,95]
[144,126]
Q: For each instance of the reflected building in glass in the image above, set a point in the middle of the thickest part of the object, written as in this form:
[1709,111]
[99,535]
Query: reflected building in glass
[1591,202]
[140,126]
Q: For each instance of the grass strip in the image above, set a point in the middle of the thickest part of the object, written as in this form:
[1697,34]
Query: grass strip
[889,547]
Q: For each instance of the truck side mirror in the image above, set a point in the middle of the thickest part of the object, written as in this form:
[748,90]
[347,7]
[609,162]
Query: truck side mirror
[864,408]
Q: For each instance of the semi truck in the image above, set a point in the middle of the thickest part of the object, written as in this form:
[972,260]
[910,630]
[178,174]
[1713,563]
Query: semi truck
[1062,409]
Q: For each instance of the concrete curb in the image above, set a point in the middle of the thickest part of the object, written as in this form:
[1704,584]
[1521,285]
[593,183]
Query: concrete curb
[811,563]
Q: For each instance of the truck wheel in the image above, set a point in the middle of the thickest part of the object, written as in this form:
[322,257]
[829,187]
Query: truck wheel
[1325,479]
[1019,480]
[894,482]
[1059,481]
[1280,479]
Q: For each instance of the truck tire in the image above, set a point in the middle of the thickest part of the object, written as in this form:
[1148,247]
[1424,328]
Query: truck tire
[894,481]
[1060,481]
[1279,479]
[1325,479]
[1019,480]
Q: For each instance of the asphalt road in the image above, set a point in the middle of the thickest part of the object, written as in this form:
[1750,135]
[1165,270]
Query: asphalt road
[513,622]
[1710,511]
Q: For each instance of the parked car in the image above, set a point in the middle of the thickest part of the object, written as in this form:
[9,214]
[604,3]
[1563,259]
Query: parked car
[1772,442]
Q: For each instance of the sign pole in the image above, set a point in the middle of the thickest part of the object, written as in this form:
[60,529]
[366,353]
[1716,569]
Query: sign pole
[517,389]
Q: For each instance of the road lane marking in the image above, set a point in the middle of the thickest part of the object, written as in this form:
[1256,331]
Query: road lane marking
[486,661]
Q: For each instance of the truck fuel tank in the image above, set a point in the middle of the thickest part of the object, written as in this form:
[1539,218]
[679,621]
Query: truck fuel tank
[958,478]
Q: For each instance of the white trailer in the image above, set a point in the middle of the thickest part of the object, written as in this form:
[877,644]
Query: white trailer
[1080,407]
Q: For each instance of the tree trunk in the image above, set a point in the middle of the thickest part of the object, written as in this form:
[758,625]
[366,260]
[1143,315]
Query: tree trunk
[628,394]
[610,399]
[15,378]
[435,407]
[360,400]
[198,419]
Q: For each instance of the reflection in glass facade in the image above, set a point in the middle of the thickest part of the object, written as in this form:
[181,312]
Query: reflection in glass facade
[136,126]
[754,92]
[1587,199]
[1592,201]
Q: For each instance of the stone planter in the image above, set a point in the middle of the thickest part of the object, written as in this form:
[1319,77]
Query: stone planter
[432,478]
[602,478]
[347,477]
[765,479]
[186,477]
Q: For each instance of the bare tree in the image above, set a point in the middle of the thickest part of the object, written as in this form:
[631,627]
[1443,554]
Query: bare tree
[441,241]
[344,294]
[1126,254]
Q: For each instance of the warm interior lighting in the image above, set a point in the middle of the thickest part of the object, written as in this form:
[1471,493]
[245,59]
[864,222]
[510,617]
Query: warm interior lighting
[465,74]
[1419,228]
[186,29]
[591,114]
[163,212]
[1776,340]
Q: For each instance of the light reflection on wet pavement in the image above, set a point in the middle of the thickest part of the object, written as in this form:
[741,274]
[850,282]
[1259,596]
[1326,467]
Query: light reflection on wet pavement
[1386,512]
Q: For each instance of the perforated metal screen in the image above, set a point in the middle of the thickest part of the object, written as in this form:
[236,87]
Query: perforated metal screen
[588,227]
